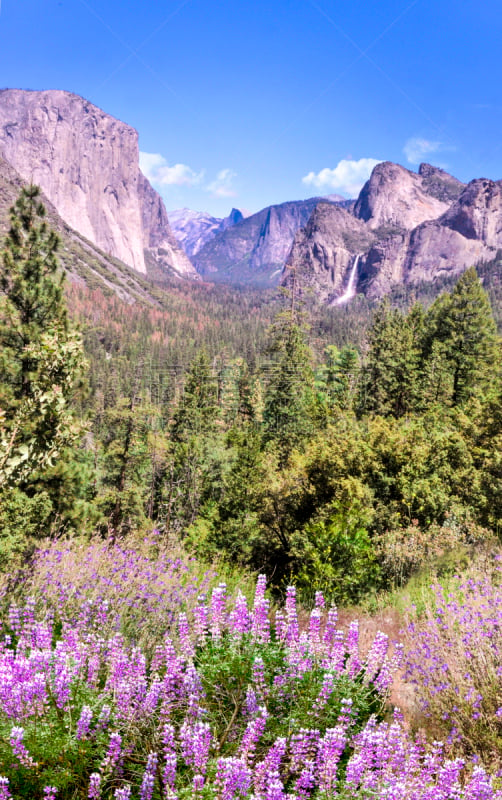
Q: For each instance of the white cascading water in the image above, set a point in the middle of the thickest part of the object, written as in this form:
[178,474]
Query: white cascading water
[350,291]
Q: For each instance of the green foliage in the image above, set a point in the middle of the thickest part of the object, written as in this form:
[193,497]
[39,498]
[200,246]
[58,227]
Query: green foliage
[22,518]
[289,396]
[392,370]
[41,362]
[226,670]
[462,324]
[335,555]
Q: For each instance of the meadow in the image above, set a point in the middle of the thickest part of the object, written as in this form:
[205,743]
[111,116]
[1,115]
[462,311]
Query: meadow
[127,671]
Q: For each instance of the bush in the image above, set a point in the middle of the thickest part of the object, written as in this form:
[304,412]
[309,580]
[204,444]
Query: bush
[454,661]
[336,556]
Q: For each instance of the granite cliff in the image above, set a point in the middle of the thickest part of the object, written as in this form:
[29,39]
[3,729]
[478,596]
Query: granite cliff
[83,261]
[87,165]
[413,228]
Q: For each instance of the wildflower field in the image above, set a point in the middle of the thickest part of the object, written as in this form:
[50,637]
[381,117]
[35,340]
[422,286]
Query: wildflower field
[125,673]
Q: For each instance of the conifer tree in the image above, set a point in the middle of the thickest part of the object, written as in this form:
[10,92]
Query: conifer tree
[289,396]
[392,372]
[462,321]
[40,358]
[40,367]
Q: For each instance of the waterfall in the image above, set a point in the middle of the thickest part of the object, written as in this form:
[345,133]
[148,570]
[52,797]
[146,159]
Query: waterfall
[350,291]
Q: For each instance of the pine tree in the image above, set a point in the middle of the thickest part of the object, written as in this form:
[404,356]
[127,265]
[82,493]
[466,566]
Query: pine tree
[289,398]
[193,464]
[41,362]
[462,321]
[392,372]
[40,357]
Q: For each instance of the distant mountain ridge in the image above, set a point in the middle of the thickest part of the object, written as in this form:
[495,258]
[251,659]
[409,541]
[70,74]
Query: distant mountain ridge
[194,229]
[253,250]
[403,229]
[84,262]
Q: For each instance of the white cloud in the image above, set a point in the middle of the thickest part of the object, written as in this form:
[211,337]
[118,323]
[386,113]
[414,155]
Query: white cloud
[222,185]
[157,170]
[348,176]
[416,149]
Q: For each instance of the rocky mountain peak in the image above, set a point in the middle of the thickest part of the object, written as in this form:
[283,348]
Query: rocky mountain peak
[412,228]
[395,196]
[325,250]
[477,213]
[87,164]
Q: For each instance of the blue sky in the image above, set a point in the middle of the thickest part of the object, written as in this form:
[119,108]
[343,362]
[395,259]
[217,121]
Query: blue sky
[251,103]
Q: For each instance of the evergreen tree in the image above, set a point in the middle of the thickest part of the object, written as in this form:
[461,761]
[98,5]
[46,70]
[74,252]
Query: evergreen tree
[462,321]
[40,366]
[289,398]
[392,372]
[193,468]
[40,357]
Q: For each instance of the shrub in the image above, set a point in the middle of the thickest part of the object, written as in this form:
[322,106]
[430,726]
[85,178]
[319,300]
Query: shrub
[454,661]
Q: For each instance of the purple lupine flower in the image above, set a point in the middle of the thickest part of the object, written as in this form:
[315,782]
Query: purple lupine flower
[331,747]
[195,745]
[280,626]
[353,662]
[19,749]
[479,786]
[94,792]
[201,624]
[251,736]
[50,792]
[337,652]
[304,746]
[251,703]
[306,781]
[293,628]
[347,713]
[113,753]
[4,789]
[274,789]
[266,773]
[260,623]
[376,656]
[330,630]
[233,779]
[186,645]
[123,794]
[322,698]
[261,585]
[315,629]
[148,782]
[240,619]
[259,677]
[218,609]
[84,722]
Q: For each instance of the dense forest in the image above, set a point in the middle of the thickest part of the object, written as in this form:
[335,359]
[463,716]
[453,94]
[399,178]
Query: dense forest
[345,448]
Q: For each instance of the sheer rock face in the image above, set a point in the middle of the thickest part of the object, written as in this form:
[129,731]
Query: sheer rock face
[158,239]
[323,252]
[83,261]
[422,227]
[87,164]
[397,197]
